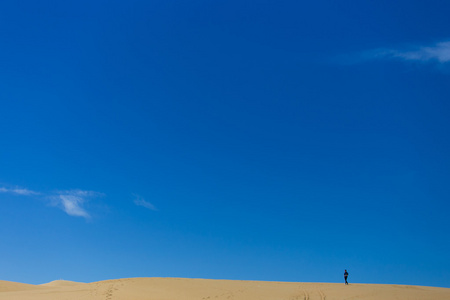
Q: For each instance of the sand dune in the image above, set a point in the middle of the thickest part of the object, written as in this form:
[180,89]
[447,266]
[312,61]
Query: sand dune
[204,289]
[61,283]
[8,286]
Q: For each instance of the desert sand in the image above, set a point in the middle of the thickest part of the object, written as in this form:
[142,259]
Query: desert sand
[206,289]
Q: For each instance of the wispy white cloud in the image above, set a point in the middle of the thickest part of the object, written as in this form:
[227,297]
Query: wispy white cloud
[139,201]
[72,201]
[73,206]
[18,191]
[438,53]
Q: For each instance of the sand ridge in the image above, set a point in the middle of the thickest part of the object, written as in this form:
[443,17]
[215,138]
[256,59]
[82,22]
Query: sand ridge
[207,289]
[61,283]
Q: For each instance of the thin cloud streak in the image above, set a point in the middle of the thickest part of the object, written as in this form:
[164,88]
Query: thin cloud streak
[18,191]
[139,201]
[439,52]
[71,202]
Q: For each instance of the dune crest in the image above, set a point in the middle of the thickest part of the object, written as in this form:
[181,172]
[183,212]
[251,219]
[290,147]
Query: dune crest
[61,282]
[207,289]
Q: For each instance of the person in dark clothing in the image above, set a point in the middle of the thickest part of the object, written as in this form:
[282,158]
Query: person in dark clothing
[345,276]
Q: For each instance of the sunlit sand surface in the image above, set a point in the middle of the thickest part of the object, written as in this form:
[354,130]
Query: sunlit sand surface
[205,289]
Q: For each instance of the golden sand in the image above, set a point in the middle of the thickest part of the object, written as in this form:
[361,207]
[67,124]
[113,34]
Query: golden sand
[206,289]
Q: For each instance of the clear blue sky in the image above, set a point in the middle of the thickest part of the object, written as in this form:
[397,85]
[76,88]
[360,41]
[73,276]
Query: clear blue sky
[255,140]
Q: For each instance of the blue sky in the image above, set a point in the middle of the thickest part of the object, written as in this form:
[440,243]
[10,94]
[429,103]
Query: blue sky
[278,140]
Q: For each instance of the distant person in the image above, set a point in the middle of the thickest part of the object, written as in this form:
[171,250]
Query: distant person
[345,276]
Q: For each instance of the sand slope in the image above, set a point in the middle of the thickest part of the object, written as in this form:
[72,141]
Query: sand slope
[7,286]
[203,289]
